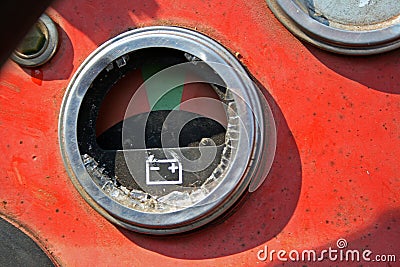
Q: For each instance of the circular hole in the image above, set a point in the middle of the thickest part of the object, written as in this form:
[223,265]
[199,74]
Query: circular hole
[163,130]
[190,115]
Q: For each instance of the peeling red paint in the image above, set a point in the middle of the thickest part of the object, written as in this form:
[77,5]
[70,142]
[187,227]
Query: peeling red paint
[336,171]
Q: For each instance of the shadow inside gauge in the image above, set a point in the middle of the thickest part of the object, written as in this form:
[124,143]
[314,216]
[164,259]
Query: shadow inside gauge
[378,72]
[259,217]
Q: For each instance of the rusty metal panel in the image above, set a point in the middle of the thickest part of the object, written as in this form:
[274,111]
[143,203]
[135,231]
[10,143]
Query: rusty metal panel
[335,174]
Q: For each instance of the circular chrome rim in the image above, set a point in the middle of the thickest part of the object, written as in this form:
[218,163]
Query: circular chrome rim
[341,41]
[227,194]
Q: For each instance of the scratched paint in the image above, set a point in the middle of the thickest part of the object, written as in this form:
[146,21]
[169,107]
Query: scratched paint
[335,174]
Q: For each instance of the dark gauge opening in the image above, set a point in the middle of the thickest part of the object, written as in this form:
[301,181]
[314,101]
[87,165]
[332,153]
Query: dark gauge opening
[163,130]
[120,98]
[151,109]
[192,133]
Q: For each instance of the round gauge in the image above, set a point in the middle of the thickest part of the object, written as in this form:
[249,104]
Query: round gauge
[162,130]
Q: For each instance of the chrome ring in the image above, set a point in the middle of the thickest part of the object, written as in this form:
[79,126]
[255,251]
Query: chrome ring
[256,148]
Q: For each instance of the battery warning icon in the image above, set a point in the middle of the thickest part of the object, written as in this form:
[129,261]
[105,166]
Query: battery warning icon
[163,171]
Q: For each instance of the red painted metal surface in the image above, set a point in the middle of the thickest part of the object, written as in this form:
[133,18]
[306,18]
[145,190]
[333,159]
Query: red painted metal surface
[336,172]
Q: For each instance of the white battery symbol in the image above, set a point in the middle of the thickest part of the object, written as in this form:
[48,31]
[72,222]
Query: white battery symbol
[163,171]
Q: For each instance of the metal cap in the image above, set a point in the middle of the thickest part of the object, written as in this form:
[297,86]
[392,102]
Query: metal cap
[352,27]
[39,45]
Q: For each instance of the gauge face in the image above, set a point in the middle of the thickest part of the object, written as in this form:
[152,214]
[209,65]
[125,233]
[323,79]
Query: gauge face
[163,131]
[356,27]
[356,15]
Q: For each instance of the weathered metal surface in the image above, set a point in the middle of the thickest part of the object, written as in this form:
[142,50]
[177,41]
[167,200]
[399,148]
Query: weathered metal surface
[39,45]
[358,14]
[17,249]
[335,174]
[346,27]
